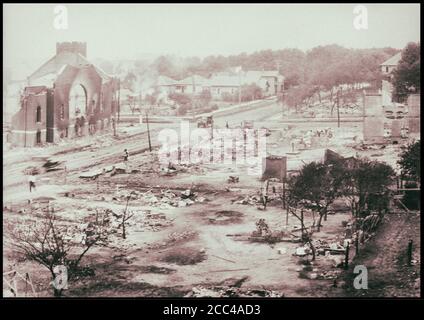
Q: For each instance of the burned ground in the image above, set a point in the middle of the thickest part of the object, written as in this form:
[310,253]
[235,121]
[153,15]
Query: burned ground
[191,231]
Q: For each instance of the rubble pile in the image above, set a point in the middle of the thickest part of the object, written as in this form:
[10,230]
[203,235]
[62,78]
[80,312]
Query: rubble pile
[312,138]
[179,236]
[149,221]
[224,292]
[253,199]
[156,222]
[329,275]
[174,237]
[172,169]
[249,199]
[163,199]
[264,234]
[322,247]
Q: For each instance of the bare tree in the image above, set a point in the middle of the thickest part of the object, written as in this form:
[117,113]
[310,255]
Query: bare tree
[52,243]
[124,217]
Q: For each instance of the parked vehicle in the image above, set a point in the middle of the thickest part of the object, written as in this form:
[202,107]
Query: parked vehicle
[205,122]
[247,124]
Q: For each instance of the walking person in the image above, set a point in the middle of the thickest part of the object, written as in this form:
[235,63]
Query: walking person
[31,180]
[126,155]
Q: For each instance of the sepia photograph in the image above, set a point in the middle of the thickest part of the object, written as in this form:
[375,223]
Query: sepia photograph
[211,151]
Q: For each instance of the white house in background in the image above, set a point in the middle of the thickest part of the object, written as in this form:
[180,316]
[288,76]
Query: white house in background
[271,82]
[166,85]
[390,64]
[221,83]
[387,68]
[192,85]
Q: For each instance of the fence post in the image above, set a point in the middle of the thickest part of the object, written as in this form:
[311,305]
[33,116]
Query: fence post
[357,244]
[410,252]
[347,256]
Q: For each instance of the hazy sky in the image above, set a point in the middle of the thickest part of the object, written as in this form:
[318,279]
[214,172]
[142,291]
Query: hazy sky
[125,31]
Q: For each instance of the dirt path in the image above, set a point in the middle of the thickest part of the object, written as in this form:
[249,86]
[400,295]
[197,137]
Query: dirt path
[385,257]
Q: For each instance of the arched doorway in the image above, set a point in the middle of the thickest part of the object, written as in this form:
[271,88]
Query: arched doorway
[77,108]
[77,101]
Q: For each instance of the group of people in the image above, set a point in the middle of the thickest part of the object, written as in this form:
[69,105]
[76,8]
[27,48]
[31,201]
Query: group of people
[313,138]
[80,123]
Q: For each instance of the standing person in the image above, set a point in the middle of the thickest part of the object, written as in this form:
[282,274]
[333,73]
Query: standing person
[226,125]
[264,193]
[113,125]
[126,155]
[92,122]
[82,123]
[76,127]
[31,180]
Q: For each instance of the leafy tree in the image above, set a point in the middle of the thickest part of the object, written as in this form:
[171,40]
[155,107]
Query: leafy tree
[410,161]
[299,96]
[181,99]
[183,109]
[203,99]
[251,92]
[163,65]
[365,181]
[317,186]
[151,99]
[406,76]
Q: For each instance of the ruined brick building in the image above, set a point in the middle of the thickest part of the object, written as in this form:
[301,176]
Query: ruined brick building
[67,97]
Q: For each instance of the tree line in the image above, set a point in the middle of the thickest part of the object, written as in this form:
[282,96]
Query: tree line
[323,65]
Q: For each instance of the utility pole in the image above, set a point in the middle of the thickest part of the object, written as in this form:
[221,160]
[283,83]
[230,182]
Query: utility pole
[346,264]
[148,132]
[26,111]
[119,99]
[410,252]
[239,91]
[338,108]
[302,225]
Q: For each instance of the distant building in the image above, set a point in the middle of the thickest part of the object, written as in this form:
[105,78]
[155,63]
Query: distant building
[221,83]
[387,67]
[271,82]
[166,84]
[66,97]
[192,85]
[390,64]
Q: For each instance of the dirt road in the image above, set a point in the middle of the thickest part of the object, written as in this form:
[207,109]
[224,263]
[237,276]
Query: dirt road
[107,150]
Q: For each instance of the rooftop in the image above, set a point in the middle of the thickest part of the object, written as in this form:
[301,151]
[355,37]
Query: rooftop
[393,61]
